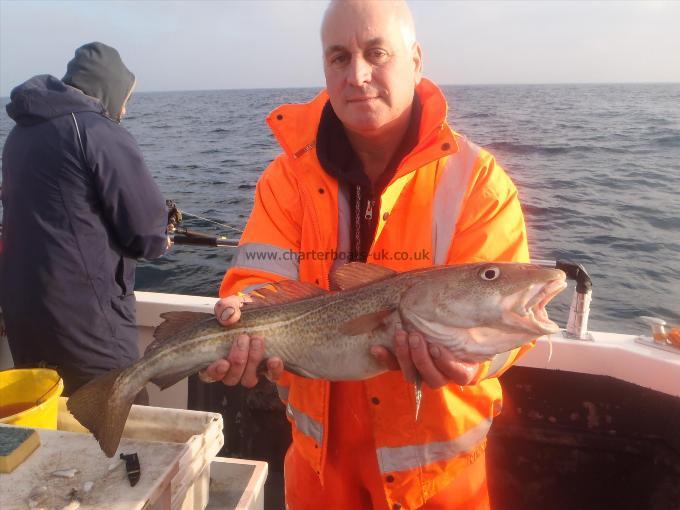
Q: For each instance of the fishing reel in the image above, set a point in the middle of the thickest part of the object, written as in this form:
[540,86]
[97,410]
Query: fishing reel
[180,235]
[174,215]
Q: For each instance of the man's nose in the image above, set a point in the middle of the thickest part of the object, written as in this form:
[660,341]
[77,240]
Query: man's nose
[358,72]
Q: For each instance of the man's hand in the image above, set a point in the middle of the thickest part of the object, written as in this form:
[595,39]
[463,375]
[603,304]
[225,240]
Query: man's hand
[174,215]
[434,362]
[246,353]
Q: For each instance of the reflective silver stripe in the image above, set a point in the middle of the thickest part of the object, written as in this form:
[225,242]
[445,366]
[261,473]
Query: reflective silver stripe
[283,392]
[497,363]
[449,195]
[305,424]
[269,258]
[254,286]
[344,218]
[80,140]
[404,458]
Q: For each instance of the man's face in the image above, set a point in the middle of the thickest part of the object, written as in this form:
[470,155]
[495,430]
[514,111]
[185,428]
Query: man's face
[371,69]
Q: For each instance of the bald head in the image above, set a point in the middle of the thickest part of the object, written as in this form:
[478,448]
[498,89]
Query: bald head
[396,11]
[372,64]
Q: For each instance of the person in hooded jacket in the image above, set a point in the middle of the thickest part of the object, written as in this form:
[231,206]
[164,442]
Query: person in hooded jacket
[80,207]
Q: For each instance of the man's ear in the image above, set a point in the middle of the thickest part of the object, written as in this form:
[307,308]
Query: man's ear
[417,62]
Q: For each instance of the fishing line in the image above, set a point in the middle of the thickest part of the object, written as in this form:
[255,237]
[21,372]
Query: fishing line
[211,221]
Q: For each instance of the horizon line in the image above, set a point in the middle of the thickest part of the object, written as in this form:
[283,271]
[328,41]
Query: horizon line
[500,84]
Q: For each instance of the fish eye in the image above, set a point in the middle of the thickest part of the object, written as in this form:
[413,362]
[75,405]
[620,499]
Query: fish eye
[490,273]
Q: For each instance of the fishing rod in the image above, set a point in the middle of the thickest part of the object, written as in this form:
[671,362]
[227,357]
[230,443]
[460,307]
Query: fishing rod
[190,237]
[183,236]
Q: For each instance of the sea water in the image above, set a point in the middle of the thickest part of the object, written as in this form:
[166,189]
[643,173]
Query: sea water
[597,168]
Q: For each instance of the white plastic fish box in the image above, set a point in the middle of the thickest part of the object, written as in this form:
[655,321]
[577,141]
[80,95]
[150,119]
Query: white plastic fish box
[176,449]
[201,432]
[237,484]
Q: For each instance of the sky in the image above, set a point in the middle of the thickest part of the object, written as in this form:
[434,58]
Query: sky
[196,45]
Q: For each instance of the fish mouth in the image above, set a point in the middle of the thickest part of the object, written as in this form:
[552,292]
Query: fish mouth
[531,313]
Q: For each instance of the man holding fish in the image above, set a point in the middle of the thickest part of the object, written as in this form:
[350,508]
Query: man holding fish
[370,165]
[370,172]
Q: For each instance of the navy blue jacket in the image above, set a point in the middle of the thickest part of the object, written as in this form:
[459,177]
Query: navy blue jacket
[75,221]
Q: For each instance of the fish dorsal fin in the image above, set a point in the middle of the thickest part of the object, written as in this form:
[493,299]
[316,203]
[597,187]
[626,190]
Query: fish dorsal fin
[355,274]
[173,323]
[282,292]
[365,323]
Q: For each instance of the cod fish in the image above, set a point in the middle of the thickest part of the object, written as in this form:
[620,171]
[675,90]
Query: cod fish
[476,310]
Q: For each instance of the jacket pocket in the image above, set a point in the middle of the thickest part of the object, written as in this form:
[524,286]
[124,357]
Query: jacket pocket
[124,308]
[125,276]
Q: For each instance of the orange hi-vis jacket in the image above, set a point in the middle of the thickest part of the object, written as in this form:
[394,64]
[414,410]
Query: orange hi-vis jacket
[449,202]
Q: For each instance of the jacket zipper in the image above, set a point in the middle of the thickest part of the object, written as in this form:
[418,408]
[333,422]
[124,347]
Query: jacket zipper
[369,210]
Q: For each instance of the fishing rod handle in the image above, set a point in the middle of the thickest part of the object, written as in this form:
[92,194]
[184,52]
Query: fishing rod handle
[204,241]
[198,241]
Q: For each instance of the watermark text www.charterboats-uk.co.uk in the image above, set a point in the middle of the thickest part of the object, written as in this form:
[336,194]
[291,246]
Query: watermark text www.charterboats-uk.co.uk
[378,255]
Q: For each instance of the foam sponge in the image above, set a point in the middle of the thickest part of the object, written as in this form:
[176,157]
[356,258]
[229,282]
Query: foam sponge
[16,444]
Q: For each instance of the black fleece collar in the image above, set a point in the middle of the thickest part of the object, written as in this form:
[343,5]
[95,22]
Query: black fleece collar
[337,157]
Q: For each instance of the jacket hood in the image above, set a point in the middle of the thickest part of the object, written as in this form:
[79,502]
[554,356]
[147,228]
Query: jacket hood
[98,70]
[44,97]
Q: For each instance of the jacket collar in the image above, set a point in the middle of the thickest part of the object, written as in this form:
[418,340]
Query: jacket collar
[295,127]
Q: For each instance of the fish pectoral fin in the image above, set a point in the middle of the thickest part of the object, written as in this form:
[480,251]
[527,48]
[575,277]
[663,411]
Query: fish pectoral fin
[173,323]
[418,392]
[356,274]
[164,381]
[281,292]
[365,323]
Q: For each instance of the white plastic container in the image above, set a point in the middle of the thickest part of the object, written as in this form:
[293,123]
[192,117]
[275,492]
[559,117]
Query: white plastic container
[201,432]
[176,450]
[237,484]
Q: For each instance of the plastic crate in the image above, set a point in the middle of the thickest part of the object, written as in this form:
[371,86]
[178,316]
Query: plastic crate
[175,449]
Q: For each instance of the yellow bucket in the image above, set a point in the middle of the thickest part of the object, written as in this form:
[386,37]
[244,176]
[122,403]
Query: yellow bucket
[31,395]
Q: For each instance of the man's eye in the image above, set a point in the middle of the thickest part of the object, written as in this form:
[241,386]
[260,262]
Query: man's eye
[377,55]
[338,60]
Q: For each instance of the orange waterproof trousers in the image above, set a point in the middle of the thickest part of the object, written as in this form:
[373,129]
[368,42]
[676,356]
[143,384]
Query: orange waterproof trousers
[352,479]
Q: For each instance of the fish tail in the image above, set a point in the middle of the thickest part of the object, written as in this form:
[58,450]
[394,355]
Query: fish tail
[102,406]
